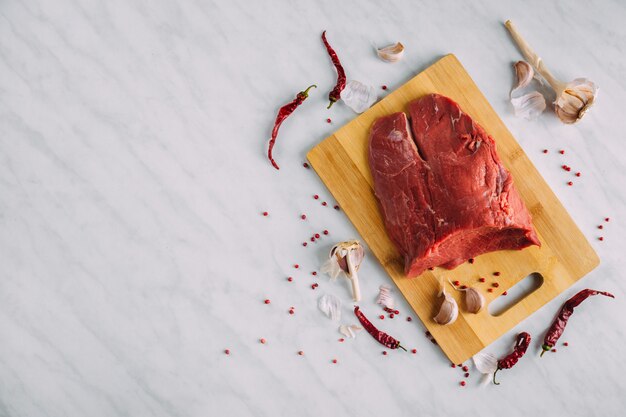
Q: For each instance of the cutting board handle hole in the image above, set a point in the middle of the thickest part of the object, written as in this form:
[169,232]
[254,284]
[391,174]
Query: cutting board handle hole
[515,294]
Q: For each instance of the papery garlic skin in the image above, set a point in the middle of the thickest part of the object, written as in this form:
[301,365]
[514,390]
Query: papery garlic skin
[384,297]
[330,305]
[358,96]
[349,331]
[391,53]
[577,97]
[529,106]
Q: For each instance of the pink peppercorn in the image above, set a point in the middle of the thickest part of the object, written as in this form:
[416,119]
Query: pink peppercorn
[414,351]
[227,351]
[456,283]
[465,368]
[409,318]
[301,353]
[342,340]
[466,374]
[481,279]
[462,383]
[578,174]
[601,238]
[562,152]
[296,266]
[497,273]
[495,285]
[267,301]
[325,232]
[565,344]
[545,151]
[606,219]
[317,236]
[470,260]
[314,273]
[328,120]
[384,352]
[324,203]
[463,287]
[392,315]
[262,340]
[305,165]
[490,289]
[291,311]
[289,279]
[452,365]
[316,196]
[505,293]
[554,350]
[600,227]
[265,213]
[303,217]
[304,243]
[570,183]
[334,360]
[382,317]
[336,207]
[384,87]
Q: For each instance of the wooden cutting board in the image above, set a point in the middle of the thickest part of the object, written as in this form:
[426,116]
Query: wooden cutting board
[565,256]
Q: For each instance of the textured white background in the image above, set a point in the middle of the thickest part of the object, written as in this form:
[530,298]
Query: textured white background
[133,175]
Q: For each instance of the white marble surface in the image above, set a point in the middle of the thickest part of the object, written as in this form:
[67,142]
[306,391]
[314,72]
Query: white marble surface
[133,175]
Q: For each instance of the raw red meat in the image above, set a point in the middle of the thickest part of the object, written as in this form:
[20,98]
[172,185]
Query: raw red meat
[444,195]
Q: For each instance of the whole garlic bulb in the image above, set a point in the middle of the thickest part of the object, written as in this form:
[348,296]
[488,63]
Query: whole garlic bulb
[573,99]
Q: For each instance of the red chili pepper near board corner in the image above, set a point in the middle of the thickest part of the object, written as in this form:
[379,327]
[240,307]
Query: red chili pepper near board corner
[558,325]
[381,337]
[335,94]
[521,345]
[283,113]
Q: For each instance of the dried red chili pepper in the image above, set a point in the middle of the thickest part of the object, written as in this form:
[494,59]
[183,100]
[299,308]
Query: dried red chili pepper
[283,113]
[382,337]
[521,344]
[335,94]
[558,326]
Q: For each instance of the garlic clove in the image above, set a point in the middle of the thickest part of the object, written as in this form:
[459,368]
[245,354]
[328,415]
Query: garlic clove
[449,309]
[485,363]
[384,297]
[391,53]
[474,300]
[330,305]
[349,331]
[524,72]
[358,96]
[577,97]
[529,106]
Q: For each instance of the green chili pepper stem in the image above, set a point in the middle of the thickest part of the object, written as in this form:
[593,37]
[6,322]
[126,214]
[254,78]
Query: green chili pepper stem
[494,377]
[331,103]
[305,93]
[545,349]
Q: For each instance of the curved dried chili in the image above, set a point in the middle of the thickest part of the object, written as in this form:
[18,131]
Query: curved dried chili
[558,325]
[521,345]
[283,113]
[335,94]
[382,337]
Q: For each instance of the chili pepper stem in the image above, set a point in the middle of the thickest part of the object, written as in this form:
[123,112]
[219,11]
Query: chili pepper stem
[402,347]
[494,377]
[330,105]
[544,349]
[306,92]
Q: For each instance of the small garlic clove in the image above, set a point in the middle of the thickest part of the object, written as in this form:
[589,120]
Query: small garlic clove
[524,72]
[575,99]
[349,331]
[449,310]
[529,106]
[358,96]
[384,297]
[391,53]
[474,300]
[330,305]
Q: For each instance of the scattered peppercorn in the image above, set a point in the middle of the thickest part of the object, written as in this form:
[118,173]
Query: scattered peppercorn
[325,232]
[481,279]
[336,207]
[291,311]
[414,351]
[382,317]
[312,238]
[465,368]
[466,374]
[328,120]
[267,301]
[456,283]
[601,238]
[385,352]
[227,351]
[317,236]
[296,266]
[391,315]
[304,243]
[497,273]
[554,350]
[452,365]
[490,289]
[314,286]
[606,219]
[305,165]
[562,152]
[396,312]
[334,360]
[570,183]
[495,285]
[505,293]
[462,383]
[303,217]
[301,353]
[384,87]
[578,174]
[314,273]
[289,279]
[470,260]
[565,344]
[324,203]
[342,340]
[265,213]
[463,287]
[316,196]
[262,340]
[545,151]
[600,227]
[409,318]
